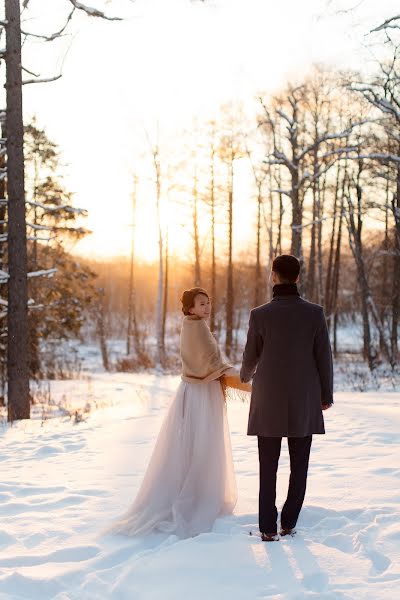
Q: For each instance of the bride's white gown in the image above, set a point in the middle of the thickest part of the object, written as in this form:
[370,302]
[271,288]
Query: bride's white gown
[190,479]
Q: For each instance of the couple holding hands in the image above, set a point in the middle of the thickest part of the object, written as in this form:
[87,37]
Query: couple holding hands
[190,480]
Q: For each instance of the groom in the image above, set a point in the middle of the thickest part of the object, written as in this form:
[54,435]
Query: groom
[288,344]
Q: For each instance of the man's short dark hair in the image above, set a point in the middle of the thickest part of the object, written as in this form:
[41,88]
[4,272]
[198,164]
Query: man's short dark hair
[287,267]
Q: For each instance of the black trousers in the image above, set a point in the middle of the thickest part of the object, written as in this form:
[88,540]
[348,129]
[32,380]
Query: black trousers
[269,449]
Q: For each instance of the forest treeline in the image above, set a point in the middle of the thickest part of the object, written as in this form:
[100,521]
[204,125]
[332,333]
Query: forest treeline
[325,158]
[140,347]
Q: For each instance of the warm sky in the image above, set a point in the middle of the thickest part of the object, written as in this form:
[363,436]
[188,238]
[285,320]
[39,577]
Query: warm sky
[167,62]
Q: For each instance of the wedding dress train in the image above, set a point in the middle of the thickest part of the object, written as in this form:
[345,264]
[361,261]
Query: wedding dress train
[190,480]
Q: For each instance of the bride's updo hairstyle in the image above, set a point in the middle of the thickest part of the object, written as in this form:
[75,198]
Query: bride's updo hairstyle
[188,297]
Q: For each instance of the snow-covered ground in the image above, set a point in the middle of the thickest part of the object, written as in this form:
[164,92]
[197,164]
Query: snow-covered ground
[62,482]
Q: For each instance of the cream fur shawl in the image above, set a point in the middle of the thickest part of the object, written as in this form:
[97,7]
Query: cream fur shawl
[202,360]
[200,353]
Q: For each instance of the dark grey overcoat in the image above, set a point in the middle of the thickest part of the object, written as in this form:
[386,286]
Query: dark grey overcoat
[289,351]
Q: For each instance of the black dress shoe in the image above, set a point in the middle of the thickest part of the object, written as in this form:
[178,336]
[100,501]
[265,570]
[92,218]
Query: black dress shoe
[287,531]
[269,537]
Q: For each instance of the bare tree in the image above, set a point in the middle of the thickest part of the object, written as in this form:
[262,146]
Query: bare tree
[212,204]
[160,340]
[132,316]
[231,149]
[260,173]
[166,285]
[17,318]
[382,92]
[354,218]
[102,328]
[195,220]
[213,197]
[318,103]
[304,156]
[286,114]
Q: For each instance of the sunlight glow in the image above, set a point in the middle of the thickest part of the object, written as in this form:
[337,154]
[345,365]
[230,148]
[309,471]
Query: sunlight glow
[169,64]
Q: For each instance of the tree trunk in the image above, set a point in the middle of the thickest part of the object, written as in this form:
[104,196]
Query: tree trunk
[279,234]
[3,256]
[166,275]
[101,331]
[310,288]
[132,318]
[3,205]
[17,320]
[329,277]
[396,274]
[257,281]
[268,294]
[33,338]
[356,248]
[336,276]
[197,271]
[320,224]
[159,307]
[296,197]
[297,228]
[160,296]
[335,342]
[229,287]
[213,262]
[385,249]
[297,216]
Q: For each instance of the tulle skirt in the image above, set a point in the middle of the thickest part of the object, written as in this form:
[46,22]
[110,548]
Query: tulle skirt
[190,480]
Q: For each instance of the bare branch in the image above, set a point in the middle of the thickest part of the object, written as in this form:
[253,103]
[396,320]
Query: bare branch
[380,156]
[53,36]
[39,227]
[46,273]
[392,23]
[30,72]
[281,191]
[331,136]
[26,81]
[374,97]
[93,12]
[55,208]
[33,238]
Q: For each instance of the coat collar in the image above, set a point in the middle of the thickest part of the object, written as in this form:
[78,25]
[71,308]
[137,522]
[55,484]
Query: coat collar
[289,298]
[285,289]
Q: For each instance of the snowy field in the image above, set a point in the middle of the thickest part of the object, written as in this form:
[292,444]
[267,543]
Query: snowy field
[62,482]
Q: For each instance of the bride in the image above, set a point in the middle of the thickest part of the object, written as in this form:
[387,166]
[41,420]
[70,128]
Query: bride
[190,480]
